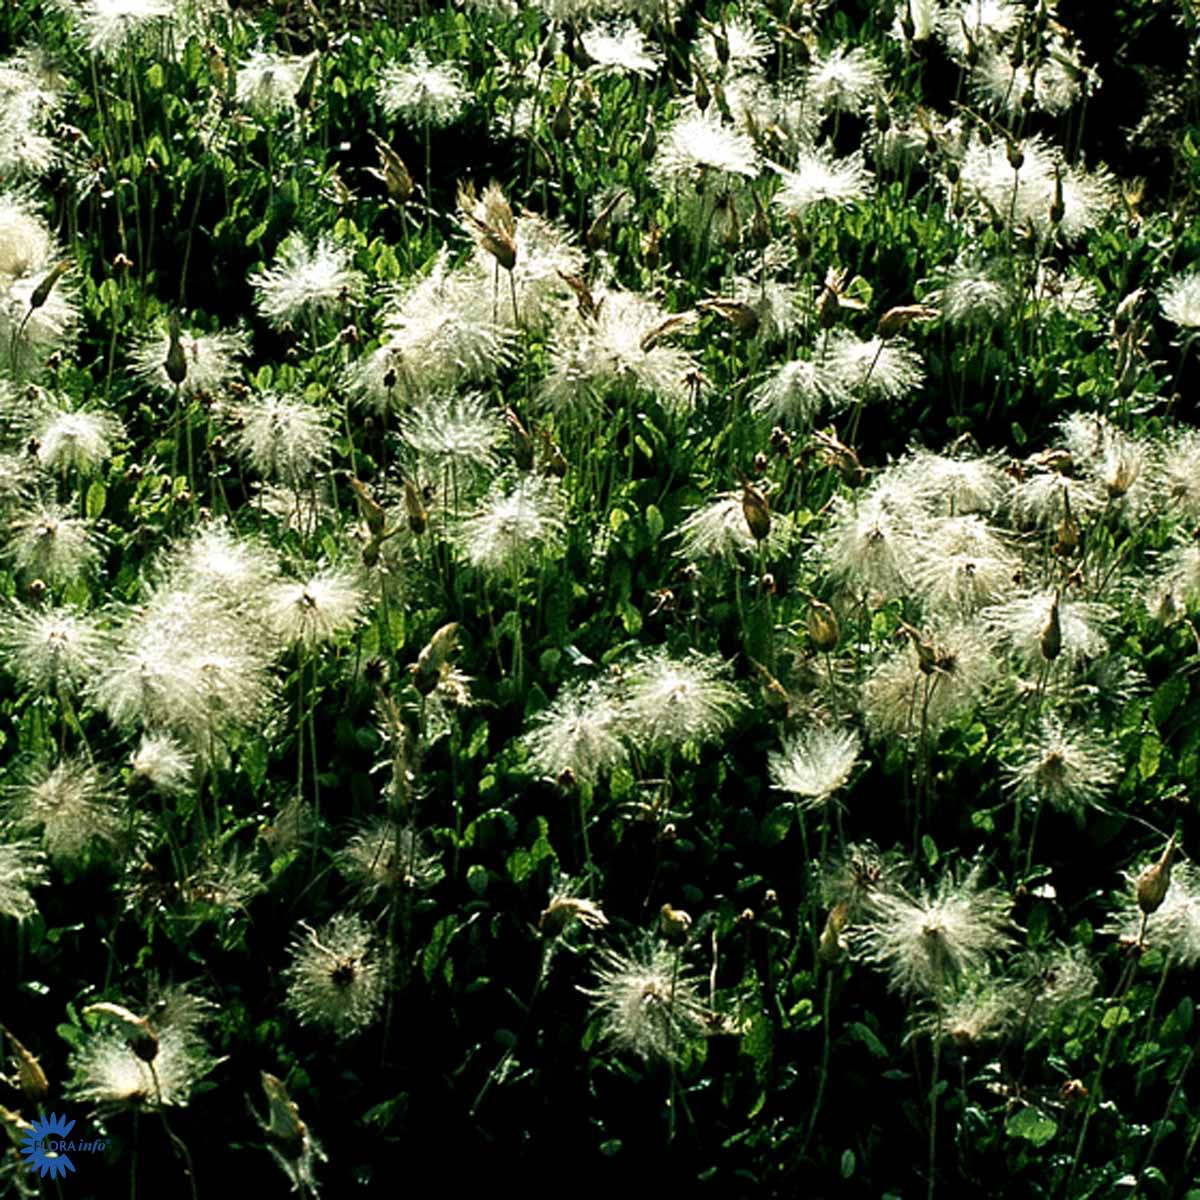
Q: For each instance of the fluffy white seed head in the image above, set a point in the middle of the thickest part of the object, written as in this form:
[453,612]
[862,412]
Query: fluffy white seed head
[924,941]
[22,868]
[646,1005]
[49,649]
[336,978]
[304,279]
[815,763]
[1070,768]
[213,360]
[520,517]
[70,804]
[315,610]
[422,93]
[581,732]
[670,700]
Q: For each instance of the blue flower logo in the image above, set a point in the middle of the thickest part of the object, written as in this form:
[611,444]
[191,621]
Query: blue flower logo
[48,1162]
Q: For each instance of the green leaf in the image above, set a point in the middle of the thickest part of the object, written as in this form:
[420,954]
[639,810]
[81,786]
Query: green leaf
[96,496]
[630,617]
[443,931]
[1117,1015]
[862,1033]
[654,522]
[1149,756]
[1167,698]
[70,1034]
[1031,1125]
[477,879]
[848,1164]
[776,824]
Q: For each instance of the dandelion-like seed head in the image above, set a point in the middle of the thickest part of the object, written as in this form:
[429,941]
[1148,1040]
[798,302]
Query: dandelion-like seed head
[819,176]
[212,360]
[51,648]
[844,80]
[930,682]
[669,700]
[870,544]
[961,565]
[26,242]
[46,542]
[518,518]
[581,732]
[316,610]
[71,805]
[814,764]
[423,93]
[436,336]
[926,941]
[1180,299]
[336,978]
[283,438]
[1068,767]
[1174,927]
[699,142]
[304,279]
[148,1062]
[1020,624]
[876,369]
[972,295]
[455,431]
[796,392]
[111,25]
[163,764]
[646,1004]
[267,82]
[76,441]
[620,48]
[383,858]
[625,344]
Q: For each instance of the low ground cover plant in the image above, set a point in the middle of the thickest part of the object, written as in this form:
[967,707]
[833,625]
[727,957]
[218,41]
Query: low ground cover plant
[600,583]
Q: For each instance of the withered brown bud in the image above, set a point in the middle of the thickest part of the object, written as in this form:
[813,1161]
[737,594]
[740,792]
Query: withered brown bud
[414,506]
[1153,882]
[1050,642]
[832,945]
[822,625]
[674,925]
[756,511]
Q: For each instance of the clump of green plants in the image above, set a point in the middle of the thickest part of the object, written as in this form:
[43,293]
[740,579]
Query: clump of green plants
[615,579]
